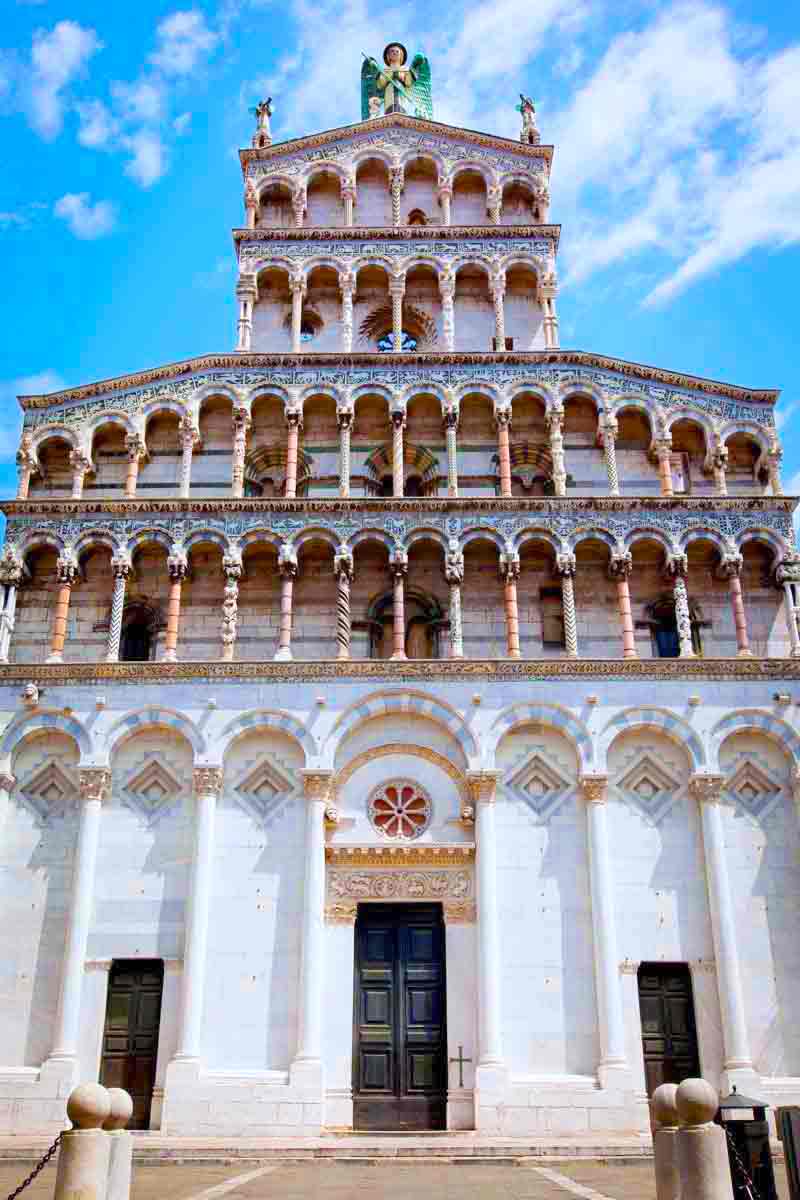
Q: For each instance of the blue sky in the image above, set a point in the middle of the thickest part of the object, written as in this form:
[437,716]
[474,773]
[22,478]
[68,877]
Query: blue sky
[676,174]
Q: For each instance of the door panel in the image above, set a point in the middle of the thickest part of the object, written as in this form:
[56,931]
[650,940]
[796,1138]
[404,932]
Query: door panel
[130,1037]
[400,1043]
[669,1039]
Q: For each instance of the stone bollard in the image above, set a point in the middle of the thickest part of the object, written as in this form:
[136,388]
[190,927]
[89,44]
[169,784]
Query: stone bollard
[702,1151]
[119,1168]
[83,1159]
[665,1143]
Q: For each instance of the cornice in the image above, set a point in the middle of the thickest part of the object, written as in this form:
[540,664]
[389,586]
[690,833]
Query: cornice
[403,854]
[214,506]
[401,233]
[675,670]
[245,362]
[393,121]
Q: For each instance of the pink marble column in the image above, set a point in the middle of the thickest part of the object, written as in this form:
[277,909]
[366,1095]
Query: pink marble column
[398,565]
[503,418]
[135,449]
[731,568]
[294,422]
[68,575]
[620,568]
[663,448]
[287,566]
[178,567]
[509,571]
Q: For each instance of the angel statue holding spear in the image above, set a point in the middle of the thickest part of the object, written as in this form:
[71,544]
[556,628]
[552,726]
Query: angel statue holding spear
[402,89]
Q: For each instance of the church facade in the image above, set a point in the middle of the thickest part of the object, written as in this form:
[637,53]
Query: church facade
[398,712]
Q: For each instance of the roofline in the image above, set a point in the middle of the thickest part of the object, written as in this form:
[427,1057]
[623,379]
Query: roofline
[243,361]
[400,120]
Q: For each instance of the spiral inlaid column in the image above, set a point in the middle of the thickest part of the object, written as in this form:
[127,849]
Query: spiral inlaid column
[398,452]
[565,567]
[454,574]
[397,288]
[450,429]
[498,290]
[494,203]
[241,424]
[343,569]
[121,567]
[396,182]
[608,429]
[445,194]
[554,419]
[347,284]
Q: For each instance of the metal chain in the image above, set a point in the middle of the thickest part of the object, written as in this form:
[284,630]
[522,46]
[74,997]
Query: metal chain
[749,1185]
[42,1163]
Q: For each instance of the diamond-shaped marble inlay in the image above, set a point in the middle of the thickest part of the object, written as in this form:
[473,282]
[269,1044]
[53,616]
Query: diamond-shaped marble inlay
[538,783]
[151,790]
[753,789]
[650,786]
[263,788]
[48,791]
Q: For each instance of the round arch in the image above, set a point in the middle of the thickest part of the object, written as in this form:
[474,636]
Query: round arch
[661,719]
[552,715]
[44,721]
[153,717]
[275,719]
[418,704]
[754,721]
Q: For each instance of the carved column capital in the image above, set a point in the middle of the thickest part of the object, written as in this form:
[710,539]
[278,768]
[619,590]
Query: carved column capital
[454,563]
[287,561]
[178,561]
[707,788]
[121,564]
[554,419]
[676,566]
[343,563]
[79,461]
[502,416]
[347,282]
[95,783]
[594,788]
[397,286]
[483,786]
[294,417]
[67,567]
[135,447]
[241,419]
[345,417]
[620,565]
[232,566]
[317,785]
[509,566]
[207,781]
[398,563]
[607,427]
[450,417]
[398,418]
[730,564]
[297,284]
[565,563]
[12,566]
[788,570]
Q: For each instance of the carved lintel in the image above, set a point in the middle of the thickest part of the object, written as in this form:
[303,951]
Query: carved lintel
[707,788]
[459,912]
[95,783]
[343,912]
[317,785]
[594,788]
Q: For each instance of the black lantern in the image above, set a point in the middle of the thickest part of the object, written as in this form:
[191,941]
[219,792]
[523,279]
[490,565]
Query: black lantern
[747,1134]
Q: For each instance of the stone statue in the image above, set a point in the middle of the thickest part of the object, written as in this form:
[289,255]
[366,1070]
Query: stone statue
[397,87]
[263,134]
[530,131]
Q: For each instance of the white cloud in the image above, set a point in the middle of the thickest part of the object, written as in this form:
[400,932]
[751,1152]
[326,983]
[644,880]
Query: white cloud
[97,125]
[11,424]
[183,39]
[86,220]
[139,101]
[57,58]
[149,161]
[181,124]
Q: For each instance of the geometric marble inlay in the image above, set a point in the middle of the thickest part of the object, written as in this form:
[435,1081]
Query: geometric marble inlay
[262,789]
[753,789]
[151,790]
[651,787]
[538,784]
[48,791]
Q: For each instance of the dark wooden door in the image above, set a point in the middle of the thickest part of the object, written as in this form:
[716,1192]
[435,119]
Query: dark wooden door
[399,1037]
[130,1037]
[669,1038]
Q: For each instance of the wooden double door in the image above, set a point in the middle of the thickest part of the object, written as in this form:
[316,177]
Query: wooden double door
[669,1036]
[130,1035]
[400,1035]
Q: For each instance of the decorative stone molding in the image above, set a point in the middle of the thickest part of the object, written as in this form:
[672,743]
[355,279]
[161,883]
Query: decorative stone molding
[457,912]
[207,781]
[702,966]
[594,788]
[95,783]
[100,965]
[368,756]
[629,966]
[342,913]
[30,695]
[483,786]
[707,788]
[401,854]
[317,785]
[351,885]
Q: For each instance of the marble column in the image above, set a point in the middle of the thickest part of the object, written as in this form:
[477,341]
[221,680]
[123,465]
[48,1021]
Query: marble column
[190,436]
[287,567]
[663,451]
[250,204]
[95,790]
[483,791]
[297,287]
[135,450]
[454,574]
[502,418]
[241,425]
[398,566]
[619,568]
[299,200]
[232,571]
[509,573]
[774,458]
[398,451]
[207,787]
[719,466]
[12,573]
[787,576]
[178,567]
[246,294]
[444,193]
[611,1024]
[607,429]
[397,290]
[707,790]
[677,570]
[497,289]
[121,568]
[344,417]
[306,1068]
[730,568]
[348,192]
[347,286]
[68,574]
[294,423]
[27,467]
[554,420]
[343,570]
[547,299]
[396,184]
[450,430]
[494,203]
[447,292]
[565,568]
[80,464]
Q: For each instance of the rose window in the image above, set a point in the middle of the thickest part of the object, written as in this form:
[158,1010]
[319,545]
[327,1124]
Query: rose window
[400,809]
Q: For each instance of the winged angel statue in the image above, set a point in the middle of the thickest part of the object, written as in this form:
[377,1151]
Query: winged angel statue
[401,89]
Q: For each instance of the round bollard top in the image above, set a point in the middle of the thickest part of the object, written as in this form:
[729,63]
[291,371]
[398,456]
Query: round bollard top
[121,1109]
[89,1105]
[664,1108]
[696,1102]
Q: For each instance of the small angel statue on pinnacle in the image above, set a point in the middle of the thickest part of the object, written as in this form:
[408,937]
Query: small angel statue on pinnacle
[399,88]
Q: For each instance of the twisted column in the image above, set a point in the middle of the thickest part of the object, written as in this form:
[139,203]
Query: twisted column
[68,574]
[619,568]
[398,451]
[398,566]
[27,467]
[454,574]
[178,567]
[121,567]
[494,203]
[677,568]
[297,287]
[565,567]
[730,568]
[343,570]
[450,428]
[396,183]
[397,289]
[246,294]
[136,450]
[12,572]
[607,431]
[663,449]
[497,288]
[347,285]
[241,425]
[80,465]
[787,576]
[554,420]
[502,418]
[287,568]
[719,466]
[345,417]
[447,292]
[294,423]
[444,194]
[509,573]
[190,435]
[299,206]
[232,571]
